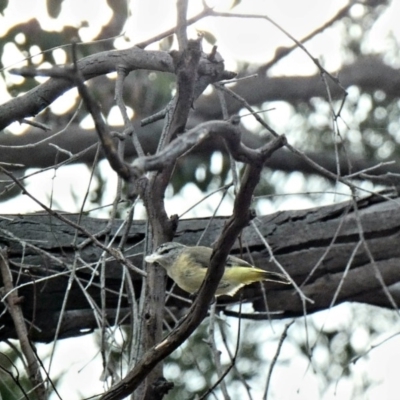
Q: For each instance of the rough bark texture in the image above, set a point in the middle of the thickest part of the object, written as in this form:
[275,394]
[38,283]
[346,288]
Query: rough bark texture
[368,73]
[300,240]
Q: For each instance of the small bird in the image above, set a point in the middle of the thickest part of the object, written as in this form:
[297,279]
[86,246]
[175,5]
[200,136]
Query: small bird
[187,266]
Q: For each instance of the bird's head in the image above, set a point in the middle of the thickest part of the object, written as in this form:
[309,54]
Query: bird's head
[166,254]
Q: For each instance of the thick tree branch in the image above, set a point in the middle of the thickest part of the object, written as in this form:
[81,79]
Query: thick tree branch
[43,95]
[239,219]
[162,229]
[94,65]
[76,140]
[368,73]
[229,131]
[298,253]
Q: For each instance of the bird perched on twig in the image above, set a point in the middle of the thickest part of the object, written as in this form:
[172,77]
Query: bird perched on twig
[187,266]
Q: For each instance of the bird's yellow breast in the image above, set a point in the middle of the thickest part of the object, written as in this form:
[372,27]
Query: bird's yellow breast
[189,273]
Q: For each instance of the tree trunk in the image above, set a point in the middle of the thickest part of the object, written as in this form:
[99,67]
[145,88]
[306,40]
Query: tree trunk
[317,247]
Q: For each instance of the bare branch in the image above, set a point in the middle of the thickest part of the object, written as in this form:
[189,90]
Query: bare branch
[171,31]
[229,131]
[298,43]
[283,52]
[13,301]
[181,25]
[239,219]
[275,359]
[129,128]
[43,95]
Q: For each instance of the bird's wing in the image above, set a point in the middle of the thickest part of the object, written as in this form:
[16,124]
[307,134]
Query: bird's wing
[201,256]
[233,261]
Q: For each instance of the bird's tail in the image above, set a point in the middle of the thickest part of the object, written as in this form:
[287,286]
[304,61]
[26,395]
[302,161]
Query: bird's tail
[274,277]
[247,275]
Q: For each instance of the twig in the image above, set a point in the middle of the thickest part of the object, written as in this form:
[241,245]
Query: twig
[181,25]
[206,12]
[209,222]
[232,162]
[298,44]
[278,264]
[275,359]
[216,356]
[240,218]
[234,356]
[222,188]
[229,131]
[14,301]
[48,138]
[14,378]
[129,128]
[232,364]
[378,274]
[112,251]
[36,124]
[259,316]
[285,51]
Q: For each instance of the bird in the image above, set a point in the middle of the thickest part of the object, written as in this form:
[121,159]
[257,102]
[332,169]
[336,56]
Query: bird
[187,266]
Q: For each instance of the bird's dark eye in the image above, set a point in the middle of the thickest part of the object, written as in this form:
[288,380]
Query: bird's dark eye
[164,250]
[168,248]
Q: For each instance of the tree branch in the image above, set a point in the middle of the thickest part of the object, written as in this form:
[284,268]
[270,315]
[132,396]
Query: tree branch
[14,301]
[239,219]
[32,238]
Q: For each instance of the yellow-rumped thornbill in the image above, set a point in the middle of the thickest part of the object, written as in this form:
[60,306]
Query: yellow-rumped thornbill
[187,266]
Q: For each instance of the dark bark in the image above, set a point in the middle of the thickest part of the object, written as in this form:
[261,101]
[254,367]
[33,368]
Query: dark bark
[298,239]
[369,73]
[76,140]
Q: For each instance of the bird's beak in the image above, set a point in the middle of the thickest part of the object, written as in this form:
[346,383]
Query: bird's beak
[152,258]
